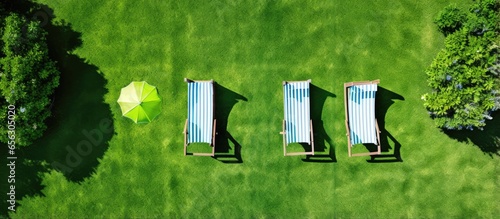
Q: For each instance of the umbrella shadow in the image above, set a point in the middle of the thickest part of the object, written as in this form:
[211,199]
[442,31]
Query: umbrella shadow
[227,149]
[384,100]
[81,123]
[324,148]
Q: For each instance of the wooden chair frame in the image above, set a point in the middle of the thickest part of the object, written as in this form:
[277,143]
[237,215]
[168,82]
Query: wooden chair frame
[283,132]
[185,132]
[346,86]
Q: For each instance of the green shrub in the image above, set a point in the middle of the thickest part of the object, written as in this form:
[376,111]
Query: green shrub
[450,19]
[464,76]
[27,78]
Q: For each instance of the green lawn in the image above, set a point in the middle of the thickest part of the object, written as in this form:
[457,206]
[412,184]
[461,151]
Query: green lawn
[249,48]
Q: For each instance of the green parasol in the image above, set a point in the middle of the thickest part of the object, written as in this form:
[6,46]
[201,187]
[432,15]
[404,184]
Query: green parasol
[140,102]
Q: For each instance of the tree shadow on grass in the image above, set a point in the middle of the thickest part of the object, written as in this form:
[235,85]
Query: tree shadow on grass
[322,152]
[227,149]
[81,123]
[384,100]
[488,140]
[27,179]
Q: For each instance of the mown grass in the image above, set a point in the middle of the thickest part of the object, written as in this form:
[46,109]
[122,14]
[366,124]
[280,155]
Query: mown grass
[249,48]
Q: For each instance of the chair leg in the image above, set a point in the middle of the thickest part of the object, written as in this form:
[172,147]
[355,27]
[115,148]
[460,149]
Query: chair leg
[284,138]
[312,137]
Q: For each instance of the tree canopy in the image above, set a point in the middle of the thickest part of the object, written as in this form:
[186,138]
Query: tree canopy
[465,75]
[28,77]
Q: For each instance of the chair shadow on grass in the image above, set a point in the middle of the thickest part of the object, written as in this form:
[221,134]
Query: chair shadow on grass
[80,124]
[322,152]
[383,101]
[227,149]
[487,140]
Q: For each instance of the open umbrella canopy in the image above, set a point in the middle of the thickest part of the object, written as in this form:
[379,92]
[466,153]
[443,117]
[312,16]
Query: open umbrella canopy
[140,102]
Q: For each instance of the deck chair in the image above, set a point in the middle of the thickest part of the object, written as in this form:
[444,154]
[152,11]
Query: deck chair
[200,123]
[361,124]
[297,125]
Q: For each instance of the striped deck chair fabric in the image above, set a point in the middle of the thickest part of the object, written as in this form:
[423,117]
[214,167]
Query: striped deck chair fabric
[361,113]
[200,112]
[297,112]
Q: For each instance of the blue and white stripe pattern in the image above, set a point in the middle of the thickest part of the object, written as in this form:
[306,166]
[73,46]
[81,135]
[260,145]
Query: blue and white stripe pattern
[200,111]
[361,106]
[297,112]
